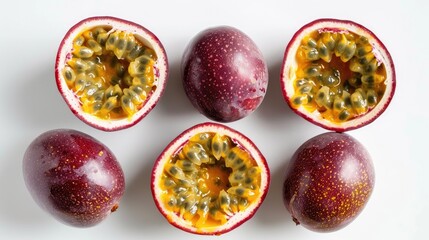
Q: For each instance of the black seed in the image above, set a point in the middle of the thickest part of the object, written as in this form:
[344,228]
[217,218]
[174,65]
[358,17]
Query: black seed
[121,44]
[297,100]
[187,164]
[97,106]
[108,105]
[216,147]
[372,100]
[313,54]
[248,181]
[242,168]
[224,200]
[311,42]
[239,191]
[360,52]
[115,80]
[179,190]
[126,100]
[330,80]
[68,75]
[141,68]
[369,79]
[239,161]
[323,50]
[135,52]
[171,203]
[238,177]
[232,155]
[130,45]
[344,115]
[355,82]
[313,70]
[173,170]
[137,89]
[112,39]
[305,88]
[348,101]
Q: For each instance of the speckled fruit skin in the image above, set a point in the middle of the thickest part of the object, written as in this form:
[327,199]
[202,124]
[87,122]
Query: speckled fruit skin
[328,182]
[73,177]
[224,74]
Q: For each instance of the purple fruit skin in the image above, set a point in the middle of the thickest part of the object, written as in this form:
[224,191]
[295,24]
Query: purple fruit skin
[328,182]
[224,74]
[73,176]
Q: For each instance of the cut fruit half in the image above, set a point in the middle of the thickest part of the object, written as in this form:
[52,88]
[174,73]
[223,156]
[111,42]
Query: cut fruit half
[111,72]
[209,180]
[337,74]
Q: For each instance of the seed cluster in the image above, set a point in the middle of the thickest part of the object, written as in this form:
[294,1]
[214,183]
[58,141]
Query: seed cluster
[209,180]
[338,75]
[111,72]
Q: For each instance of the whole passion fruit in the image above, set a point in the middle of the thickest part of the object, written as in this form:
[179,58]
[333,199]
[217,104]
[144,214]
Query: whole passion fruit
[111,72]
[73,177]
[328,182]
[337,74]
[209,180]
[224,74]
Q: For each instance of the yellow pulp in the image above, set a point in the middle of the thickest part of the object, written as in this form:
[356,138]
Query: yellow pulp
[337,75]
[209,180]
[112,73]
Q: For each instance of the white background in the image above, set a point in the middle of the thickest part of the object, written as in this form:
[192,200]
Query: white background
[31,32]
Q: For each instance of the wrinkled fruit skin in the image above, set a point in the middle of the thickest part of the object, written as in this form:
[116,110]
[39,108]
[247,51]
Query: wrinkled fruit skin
[73,177]
[329,180]
[224,74]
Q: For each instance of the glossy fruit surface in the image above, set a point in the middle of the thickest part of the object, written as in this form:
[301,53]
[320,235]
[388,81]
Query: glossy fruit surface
[111,72]
[209,180]
[73,177]
[224,74]
[337,74]
[328,182]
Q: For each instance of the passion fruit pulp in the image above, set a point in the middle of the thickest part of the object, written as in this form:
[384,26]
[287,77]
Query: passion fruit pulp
[224,74]
[337,74]
[73,177]
[329,180]
[209,180]
[111,72]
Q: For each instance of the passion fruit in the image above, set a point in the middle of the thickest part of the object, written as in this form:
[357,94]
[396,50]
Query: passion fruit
[73,177]
[224,74]
[209,180]
[337,74]
[329,180]
[111,72]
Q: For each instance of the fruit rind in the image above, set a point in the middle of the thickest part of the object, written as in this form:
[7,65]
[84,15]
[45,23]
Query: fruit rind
[237,219]
[143,35]
[73,177]
[289,67]
[328,182]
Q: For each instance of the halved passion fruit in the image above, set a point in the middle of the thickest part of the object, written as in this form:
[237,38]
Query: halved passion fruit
[111,72]
[209,180]
[337,74]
